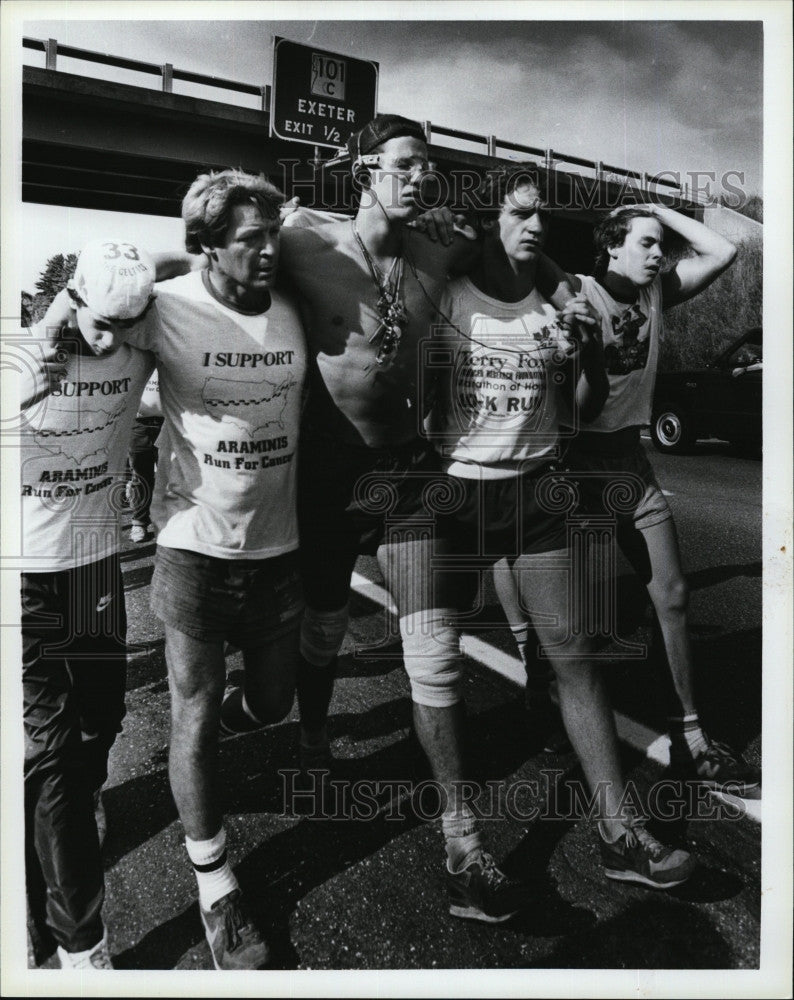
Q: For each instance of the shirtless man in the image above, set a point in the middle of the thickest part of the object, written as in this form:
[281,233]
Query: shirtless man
[368,287]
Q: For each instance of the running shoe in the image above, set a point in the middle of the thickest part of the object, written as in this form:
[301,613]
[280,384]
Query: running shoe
[637,856]
[100,816]
[234,941]
[481,891]
[234,719]
[720,769]
[97,957]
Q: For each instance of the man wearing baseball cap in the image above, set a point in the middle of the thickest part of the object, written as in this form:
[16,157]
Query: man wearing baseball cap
[74,439]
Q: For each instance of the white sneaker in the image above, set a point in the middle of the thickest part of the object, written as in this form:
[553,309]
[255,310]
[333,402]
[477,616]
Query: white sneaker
[138,533]
[97,957]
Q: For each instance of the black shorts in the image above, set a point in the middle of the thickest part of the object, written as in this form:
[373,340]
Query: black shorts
[615,479]
[352,499]
[248,602]
[508,517]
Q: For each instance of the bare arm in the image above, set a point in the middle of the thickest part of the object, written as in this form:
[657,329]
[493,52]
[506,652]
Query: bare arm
[170,264]
[47,355]
[712,254]
[554,284]
[592,388]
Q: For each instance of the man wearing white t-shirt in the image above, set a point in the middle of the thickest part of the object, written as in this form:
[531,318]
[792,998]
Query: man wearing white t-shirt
[231,360]
[74,442]
[497,426]
[631,290]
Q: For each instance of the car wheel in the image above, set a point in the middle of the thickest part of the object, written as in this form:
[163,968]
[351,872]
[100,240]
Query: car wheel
[672,430]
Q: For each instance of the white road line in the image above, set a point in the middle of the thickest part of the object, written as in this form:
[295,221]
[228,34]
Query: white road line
[374,592]
[668,493]
[655,746]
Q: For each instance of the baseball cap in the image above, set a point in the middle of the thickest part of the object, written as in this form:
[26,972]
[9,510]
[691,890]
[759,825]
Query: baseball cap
[380,130]
[114,278]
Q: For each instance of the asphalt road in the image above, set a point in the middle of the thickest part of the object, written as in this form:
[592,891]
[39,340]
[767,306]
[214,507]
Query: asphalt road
[349,893]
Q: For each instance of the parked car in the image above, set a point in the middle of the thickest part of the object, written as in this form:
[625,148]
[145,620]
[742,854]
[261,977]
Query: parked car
[722,400]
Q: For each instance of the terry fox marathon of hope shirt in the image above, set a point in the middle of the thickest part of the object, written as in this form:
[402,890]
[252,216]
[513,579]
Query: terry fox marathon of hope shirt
[74,447]
[230,391]
[499,401]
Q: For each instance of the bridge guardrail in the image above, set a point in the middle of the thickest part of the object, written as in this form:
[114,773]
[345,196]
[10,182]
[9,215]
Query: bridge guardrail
[168,73]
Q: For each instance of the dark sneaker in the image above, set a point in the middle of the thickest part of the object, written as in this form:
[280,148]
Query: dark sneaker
[234,719]
[97,957]
[719,768]
[482,892]
[234,941]
[546,729]
[315,758]
[637,856]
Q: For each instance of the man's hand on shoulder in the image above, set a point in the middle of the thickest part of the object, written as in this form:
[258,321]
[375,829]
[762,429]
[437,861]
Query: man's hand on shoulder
[58,317]
[48,355]
[174,263]
[297,216]
[441,225]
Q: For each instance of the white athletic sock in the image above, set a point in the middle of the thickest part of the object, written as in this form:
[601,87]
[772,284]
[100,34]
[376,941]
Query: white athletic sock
[687,739]
[213,873]
[521,636]
[462,839]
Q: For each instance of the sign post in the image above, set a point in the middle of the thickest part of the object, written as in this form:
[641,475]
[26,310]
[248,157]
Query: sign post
[320,97]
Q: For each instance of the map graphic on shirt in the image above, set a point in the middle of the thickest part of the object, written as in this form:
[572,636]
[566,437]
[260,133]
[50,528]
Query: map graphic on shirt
[627,353]
[248,404]
[87,437]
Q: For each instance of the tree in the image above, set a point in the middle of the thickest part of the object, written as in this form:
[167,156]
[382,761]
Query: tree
[752,207]
[58,270]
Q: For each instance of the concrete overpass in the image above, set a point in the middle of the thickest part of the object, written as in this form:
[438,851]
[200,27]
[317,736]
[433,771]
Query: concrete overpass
[100,144]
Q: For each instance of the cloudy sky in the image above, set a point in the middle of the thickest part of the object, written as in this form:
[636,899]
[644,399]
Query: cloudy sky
[673,95]
[651,96]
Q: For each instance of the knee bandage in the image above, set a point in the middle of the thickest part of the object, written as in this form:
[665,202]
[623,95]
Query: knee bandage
[322,634]
[431,651]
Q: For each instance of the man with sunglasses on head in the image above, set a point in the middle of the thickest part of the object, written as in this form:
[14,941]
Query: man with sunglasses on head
[79,402]
[368,288]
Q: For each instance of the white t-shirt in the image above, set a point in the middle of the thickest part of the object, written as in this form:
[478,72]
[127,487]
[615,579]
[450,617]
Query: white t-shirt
[74,447]
[150,400]
[499,403]
[230,391]
[632,335]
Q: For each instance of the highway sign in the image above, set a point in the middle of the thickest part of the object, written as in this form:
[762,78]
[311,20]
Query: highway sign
[320,97]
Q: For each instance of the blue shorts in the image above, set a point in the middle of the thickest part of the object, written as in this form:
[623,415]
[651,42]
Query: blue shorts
[248,602]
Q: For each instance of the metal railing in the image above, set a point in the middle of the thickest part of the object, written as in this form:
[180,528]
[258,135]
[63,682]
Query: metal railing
[168,73]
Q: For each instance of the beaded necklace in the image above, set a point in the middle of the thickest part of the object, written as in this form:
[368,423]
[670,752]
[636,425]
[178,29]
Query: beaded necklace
[391,310]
